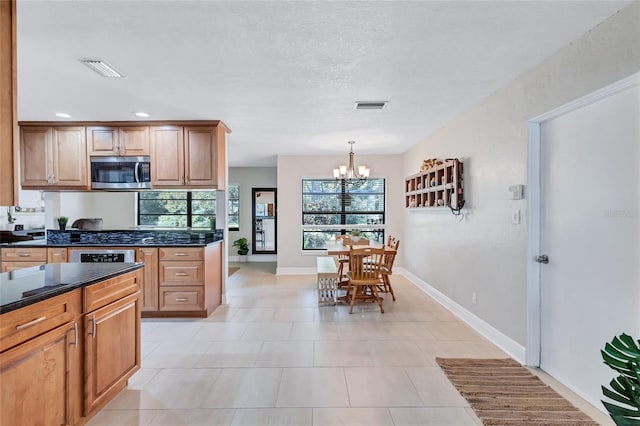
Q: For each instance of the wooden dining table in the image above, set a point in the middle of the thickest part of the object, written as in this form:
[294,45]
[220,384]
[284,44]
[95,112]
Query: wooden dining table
[338,249]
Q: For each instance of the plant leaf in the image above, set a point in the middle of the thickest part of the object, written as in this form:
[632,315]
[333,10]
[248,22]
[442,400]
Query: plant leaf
[616,396]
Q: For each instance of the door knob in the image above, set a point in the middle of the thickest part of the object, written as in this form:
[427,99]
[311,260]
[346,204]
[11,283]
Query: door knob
[543,258]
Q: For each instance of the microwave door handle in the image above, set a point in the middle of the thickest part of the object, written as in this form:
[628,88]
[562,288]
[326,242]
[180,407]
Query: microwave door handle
[137,172]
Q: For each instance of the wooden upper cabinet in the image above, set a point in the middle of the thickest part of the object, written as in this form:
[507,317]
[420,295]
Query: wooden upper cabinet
[8,113]
[53,157]
[35,153]
[200,155]
[70,157]
[106,140]
[167,156]
[189,157]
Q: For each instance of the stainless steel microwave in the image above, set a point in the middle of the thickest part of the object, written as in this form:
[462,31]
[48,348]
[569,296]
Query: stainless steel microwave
[121,173]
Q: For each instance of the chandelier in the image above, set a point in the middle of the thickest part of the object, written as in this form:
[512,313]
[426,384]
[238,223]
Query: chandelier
[349,173]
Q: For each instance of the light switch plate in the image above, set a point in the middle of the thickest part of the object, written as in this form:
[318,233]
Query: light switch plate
[515,217]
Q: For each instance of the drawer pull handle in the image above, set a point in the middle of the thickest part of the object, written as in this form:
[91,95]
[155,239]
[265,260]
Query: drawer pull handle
[181,274]
[75,332]
[93,326]
[180,254]
[24,255]
[181,299]
[30,323]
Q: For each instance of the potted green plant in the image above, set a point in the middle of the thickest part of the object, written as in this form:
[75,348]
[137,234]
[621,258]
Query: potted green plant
[212,222]
[10,219]
[623,356]
[356,234]
[243,248]
[62,222]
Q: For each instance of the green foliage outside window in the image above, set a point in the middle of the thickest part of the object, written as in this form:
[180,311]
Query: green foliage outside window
[233,192]
[177,209]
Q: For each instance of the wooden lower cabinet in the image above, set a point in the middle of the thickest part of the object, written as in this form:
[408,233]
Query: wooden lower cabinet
[41,363]
[111,350]
[14,258]
[188,281]
[64,358]
[39,379]
[149,255]
[184,298]
[17,258]
[57,255]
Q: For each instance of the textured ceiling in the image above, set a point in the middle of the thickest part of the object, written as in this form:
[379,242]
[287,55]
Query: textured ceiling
[284,75]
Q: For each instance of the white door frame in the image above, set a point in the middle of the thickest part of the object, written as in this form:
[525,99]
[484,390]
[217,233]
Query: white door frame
[532,354]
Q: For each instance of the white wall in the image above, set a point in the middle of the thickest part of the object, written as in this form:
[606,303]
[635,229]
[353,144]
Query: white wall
[117,209]
[485,253]
[249,178]
[291,170]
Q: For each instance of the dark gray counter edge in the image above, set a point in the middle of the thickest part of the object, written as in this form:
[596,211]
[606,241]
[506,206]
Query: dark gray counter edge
[66,288]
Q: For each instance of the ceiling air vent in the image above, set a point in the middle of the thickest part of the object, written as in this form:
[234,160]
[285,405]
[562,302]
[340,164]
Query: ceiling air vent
[369,104]
[102,68]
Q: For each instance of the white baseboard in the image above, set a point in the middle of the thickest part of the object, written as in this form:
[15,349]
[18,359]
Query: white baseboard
[256,258]
[508,345]
[296,271]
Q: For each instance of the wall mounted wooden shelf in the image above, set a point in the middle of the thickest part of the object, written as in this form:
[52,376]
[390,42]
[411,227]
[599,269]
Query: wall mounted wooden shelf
[439,186]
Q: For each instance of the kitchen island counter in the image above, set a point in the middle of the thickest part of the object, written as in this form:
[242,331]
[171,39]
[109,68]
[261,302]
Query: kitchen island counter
[31,285]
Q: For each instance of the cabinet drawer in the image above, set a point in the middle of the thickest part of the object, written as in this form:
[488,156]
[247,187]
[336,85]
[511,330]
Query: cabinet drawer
[105,292]
[12,266]
[181,253]
[181,273]
[25,323]
[25,254]
[182,298]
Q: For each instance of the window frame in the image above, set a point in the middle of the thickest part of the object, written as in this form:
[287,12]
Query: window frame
[189,213]
[376,230]
[229,203]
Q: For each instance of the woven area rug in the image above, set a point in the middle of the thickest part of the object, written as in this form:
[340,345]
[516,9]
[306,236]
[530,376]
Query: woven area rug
[233,270]
[502,392]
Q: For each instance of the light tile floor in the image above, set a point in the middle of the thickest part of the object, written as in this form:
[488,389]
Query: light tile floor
[273,357]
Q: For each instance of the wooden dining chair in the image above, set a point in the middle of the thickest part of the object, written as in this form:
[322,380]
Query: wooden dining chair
[364,277]
[387,266]
[343,263]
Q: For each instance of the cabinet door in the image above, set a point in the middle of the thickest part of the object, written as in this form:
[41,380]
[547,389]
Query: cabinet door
[200,156]
[70,157]
[111,350]
[43,375]
[167,156]
[102,140]
[8,96]
[57,255]
[149,255]
[35,155]
[134,140]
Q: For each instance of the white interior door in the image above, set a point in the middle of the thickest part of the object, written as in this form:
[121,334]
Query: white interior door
[590,204]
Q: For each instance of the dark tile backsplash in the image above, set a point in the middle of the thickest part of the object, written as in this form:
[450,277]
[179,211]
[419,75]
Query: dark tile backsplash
[132,237]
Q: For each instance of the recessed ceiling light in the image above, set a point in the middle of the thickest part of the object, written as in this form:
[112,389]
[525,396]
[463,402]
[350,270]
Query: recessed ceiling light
[101,67]
[142,114]
[369,104]
[62,115]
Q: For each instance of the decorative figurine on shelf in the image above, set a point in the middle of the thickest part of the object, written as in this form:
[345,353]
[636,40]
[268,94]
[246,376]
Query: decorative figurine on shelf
[440,202]
[427,164]
[433,182]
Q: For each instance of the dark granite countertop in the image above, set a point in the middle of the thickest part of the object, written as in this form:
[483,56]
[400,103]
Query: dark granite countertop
[45,243]
[31,285]
[122,238]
